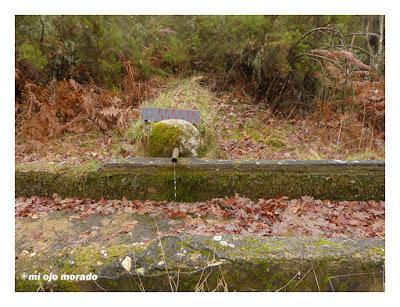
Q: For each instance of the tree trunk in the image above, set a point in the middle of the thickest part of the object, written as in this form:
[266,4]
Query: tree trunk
[380,43]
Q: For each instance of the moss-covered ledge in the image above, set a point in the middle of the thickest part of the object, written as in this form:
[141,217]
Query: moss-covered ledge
[233,263]
[201,179]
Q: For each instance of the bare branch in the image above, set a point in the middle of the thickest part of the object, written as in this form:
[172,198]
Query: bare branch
[316,30]
[362,34]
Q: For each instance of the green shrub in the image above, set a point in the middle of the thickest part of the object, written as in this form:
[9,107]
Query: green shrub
[177,54]
[161,45]
[31,53]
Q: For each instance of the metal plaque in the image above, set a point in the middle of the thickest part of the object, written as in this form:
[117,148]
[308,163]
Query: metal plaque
[157,114]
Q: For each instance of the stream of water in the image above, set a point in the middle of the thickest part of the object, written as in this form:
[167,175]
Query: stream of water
[174,182]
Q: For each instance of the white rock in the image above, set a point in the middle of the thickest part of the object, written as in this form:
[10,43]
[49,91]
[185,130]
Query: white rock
[103,252]
[127,263]
[217,238]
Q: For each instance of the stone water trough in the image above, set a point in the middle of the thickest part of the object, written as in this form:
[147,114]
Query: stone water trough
[143,261]
[200,179]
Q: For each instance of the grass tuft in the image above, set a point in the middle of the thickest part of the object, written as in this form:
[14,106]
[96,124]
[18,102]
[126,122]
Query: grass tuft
[181,94]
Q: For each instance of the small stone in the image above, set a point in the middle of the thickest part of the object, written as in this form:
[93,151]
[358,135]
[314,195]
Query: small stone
[127,263]
[71,262]
[217,238]
[161,263]
[223,243]
[103,252]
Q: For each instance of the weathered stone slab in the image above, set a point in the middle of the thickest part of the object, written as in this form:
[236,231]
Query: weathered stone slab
[55,244]
[247,263]
[200,179]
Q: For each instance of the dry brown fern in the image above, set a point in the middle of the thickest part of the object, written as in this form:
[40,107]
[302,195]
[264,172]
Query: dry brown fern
[342,71]
[67,106]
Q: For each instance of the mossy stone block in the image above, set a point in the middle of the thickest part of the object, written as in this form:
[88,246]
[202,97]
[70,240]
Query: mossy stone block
[168,134]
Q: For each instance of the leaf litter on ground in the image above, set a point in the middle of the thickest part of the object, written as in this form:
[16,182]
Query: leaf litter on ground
[278,216]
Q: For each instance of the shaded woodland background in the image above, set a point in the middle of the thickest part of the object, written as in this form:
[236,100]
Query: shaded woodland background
[318,75]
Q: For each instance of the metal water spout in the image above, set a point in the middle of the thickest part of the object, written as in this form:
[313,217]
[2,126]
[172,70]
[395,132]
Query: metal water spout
[175,155]
[174,159]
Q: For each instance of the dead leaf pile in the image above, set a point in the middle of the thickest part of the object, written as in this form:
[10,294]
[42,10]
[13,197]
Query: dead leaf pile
[235,215]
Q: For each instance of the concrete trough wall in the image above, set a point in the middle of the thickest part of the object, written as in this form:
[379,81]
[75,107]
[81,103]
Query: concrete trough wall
[198,179]
[248,264]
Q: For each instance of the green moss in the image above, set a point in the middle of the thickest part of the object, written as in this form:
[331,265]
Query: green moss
[87,258]
[275,142]
[163,139]
[22,285]
[380,251]
[325,242]
[55,286]
[199,182]
[254,264]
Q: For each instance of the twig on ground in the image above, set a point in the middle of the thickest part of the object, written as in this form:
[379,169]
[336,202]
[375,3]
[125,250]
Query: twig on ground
[293,278]
[316,279]
[301,279]
[100,287]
